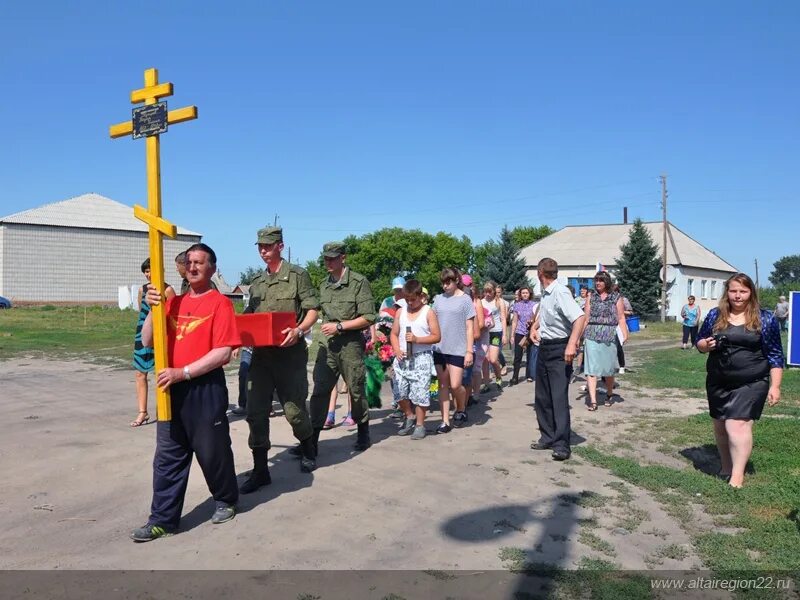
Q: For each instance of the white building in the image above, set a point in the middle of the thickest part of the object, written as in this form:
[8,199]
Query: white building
[78,250]
[693,269]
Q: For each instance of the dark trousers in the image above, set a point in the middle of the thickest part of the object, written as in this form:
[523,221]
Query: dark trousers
[690,332]
[282,370]
[244,369]
[552,395]
[198,426]
[620,352]
[341,355]
[529,352]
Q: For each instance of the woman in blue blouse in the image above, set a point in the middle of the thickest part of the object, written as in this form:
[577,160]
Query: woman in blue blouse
[744,370]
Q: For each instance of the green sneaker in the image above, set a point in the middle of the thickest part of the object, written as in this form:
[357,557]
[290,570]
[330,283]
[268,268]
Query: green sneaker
[149,533]
[224,513]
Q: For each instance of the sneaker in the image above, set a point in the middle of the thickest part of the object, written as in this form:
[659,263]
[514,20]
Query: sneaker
[499,382]
[239,411]
[347,422]
[485,389]
[408,426]
[224,513]
[330,422]
[397,414]
[149,533]
[622,370]
[459,419]
[419,433]
[444,428]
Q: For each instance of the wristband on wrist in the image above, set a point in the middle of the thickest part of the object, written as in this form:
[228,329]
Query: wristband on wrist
[186,374]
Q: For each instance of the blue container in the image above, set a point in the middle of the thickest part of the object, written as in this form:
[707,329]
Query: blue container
[633,324]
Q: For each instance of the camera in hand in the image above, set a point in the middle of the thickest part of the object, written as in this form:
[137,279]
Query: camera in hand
[722,341]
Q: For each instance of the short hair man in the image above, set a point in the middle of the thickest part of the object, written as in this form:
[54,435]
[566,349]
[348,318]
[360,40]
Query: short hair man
[281,287]
[347,307]
[782,313]
[201,333]
[560,322]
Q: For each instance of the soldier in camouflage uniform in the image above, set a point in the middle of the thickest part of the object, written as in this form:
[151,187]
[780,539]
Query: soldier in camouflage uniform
[347,309]
[282,287]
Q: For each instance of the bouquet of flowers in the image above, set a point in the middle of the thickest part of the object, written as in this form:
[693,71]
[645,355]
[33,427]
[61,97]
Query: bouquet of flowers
[382,348]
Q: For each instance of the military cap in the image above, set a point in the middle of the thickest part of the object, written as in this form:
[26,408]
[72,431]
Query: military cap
[270,235]
[333,249]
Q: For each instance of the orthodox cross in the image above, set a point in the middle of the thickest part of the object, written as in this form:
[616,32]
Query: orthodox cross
[150,121]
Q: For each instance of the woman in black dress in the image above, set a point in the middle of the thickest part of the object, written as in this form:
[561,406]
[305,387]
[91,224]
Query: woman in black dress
[744,370]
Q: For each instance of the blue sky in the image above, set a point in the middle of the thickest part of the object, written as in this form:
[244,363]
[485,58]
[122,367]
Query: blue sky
[344,117]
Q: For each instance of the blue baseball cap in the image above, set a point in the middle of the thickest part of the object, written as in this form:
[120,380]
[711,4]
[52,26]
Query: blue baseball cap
[398,283]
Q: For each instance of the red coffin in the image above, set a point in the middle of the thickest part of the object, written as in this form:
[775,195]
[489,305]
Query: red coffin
[264,329]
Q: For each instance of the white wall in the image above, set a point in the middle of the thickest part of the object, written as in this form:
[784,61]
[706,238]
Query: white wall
[69,264]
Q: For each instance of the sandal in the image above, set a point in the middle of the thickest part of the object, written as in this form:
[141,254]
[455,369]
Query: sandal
[608,402]
[592,407]
[142,418]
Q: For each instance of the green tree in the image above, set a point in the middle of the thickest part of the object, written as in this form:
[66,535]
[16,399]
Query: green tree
[786,271]
[384,254]
[638,269]
[505,266]
[247,276]
[480,258]
[525,235]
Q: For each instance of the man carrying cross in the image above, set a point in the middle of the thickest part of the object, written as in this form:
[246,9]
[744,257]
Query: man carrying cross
[201,333]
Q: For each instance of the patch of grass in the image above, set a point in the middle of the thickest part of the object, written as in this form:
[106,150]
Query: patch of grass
[673,551]
[596,543]
[673,368]
[659,533]
[591,499]
[502,470]
[589,523]
[514,559]
[562,484]
[440,575]
[308,597]
[762,511]
[623,492]
[632,518]
[587,563]
[509,525]
[568,470]
[68,332]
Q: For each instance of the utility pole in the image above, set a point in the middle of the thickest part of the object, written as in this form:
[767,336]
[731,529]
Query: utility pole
[757,285]
[663,179]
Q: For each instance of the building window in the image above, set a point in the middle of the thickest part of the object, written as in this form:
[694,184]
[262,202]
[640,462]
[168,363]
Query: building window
[713,290]
[689,287]
[703,288]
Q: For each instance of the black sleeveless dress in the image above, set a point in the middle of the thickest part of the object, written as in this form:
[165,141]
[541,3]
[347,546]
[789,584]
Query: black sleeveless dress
[737,380]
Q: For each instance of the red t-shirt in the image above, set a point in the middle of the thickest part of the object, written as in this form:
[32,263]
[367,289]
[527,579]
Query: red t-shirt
[197,325]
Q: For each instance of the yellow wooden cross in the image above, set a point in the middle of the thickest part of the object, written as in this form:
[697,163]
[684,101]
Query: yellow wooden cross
[159,227]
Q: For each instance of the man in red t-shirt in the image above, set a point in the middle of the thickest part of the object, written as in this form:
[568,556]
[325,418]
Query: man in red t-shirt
[201,334]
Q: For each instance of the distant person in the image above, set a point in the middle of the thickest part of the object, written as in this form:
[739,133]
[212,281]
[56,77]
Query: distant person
[627,311]
[498,290]
[604,312]
[414,332]
[583,294]
[454,351]
[782,313]
[745,368]
[521,320]
[201,333]
[497,332]
[143,357]
[560,322]
[690,314]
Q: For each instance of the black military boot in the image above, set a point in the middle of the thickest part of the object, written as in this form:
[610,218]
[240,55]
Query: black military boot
[259,476]
[307,460]
[362,441]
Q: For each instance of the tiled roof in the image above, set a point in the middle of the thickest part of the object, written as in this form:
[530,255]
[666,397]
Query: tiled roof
[584,245]
[88,210]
